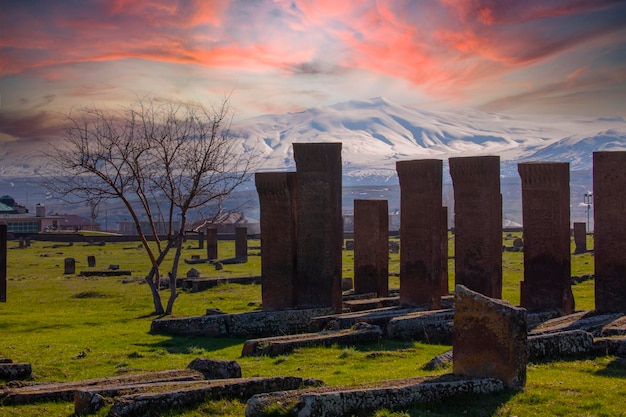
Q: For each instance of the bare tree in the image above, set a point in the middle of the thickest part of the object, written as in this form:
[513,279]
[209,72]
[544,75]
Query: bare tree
[161,159]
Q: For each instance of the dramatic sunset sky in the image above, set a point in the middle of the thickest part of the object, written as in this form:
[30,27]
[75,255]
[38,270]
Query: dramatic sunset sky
[532,56]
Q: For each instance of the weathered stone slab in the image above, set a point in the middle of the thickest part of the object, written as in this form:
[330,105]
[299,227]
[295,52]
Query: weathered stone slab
[202,284]
[433,326]
[241,243]
[580,237]
[478,223]
[379,317]
[444,253]
[145,405]
[609,175]
[371,247]
[211,242]
[490,338]
[603,346]
[439,361]
[420,231]
[615,328]
[371,303]
[559,345]
[105,273]
[64,391]
[546,216]
[250,324]
[590,321]
[278,207]
[400,394]
[91,261]
[279,345]
[3,263]
[69,266]
[319,225]
[15,371]
[216,368]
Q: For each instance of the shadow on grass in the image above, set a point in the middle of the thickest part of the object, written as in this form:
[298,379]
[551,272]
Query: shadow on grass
[193,344]
[615,369]
[466,405]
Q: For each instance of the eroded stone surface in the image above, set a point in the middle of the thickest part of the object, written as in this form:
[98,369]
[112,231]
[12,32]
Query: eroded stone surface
[545,211]
[489,339]
[609,175]
[216,368]
[580,237]
[15,371]
[426,326]
[420,231]
[478,223]
[400,394]
[558,345]
[319,225]
[371,247]
[279,345]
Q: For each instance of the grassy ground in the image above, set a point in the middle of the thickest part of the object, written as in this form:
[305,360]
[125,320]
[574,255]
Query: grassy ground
[73,328]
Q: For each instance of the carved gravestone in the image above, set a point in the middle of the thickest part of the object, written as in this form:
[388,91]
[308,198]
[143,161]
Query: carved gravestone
[277,201]
[371,255]
[580,237]
[70,266]
[319,225]
[444,251]
[489,338]
[91,261]
[609,179]
[200,239]
[546,217]
[478,223]
[21,242]
[193,273]
[420,231]
[3,263]
[211,242]
[241,243]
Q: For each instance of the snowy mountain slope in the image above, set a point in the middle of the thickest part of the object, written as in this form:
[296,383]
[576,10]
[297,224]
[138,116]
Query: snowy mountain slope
[376,133]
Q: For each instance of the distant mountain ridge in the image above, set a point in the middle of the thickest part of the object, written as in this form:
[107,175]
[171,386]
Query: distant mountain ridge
[376,133]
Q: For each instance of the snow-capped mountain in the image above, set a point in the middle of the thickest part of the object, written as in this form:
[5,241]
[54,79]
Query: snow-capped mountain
[376,133]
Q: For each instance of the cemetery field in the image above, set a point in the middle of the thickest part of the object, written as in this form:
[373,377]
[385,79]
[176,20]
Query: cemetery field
[71,328]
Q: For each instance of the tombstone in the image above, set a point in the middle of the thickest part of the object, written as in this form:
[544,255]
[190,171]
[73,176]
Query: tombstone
[70,266]
[609,179]
[211,242]
[319,225]
[477,223]
[241,243]
[200,239]
[371,247]
[489,339]
[444,252]
[3,263]
[21,243]
[350,244]
[27,242]
[545,214]
[420,231]
[580,237]
[91,261]
[193,273]
[277,201]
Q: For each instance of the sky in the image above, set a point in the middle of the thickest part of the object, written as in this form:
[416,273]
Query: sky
[534,57]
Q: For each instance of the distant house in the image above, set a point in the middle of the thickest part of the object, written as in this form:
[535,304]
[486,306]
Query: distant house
[227,222]
[74,223]
[22,223]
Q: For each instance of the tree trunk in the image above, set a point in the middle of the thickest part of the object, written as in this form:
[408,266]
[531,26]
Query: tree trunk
[173,290]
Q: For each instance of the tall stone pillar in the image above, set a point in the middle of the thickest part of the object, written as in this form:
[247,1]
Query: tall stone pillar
[478,223]
[201,239]
[609,181]
[319,225]
[3,263]
[211,242]
[420,231]
[277,199]
[371,247]
[241,243]
[546,218]
[445,290]
[580,237]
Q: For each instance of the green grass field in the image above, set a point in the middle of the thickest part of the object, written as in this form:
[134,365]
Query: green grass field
[72,328]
